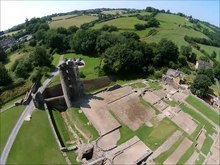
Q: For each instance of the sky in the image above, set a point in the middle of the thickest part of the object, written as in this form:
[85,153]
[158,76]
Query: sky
[15,12]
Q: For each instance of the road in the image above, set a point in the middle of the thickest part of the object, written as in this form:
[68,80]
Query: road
[28,110]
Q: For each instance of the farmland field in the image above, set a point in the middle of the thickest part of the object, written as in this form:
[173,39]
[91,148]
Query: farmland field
[7,122]
[35,143]
[76,21]
[121,23]
[62,17]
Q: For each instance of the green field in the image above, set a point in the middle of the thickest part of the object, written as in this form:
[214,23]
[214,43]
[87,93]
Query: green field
[15,56]
[204,109]
[81,122]
[207,145]
[90,64]
[200,159]
[7,121]
[76,21]
[122,23]
[138,85]
[210,49]
[62,17]
[56,58]
[209,127]
[35,143]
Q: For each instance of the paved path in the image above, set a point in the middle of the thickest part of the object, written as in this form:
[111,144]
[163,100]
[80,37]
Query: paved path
[28,110]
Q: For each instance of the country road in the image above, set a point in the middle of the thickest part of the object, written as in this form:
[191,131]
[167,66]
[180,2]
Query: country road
[28,110]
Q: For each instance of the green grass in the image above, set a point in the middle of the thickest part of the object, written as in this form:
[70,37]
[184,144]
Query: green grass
[186,155]
[200,160]
[60,125]
[7,121]
[90,64]
[210,49]
[62,17]
[172,103]
[196,132]
[204,109]
[138,85]
[125,134]
[147,104]
[155,85]
[72,157]
[35,143]
[55,80]
[56,58]
[209,127]
[15,56]
[122,23]
[76,21]
[207,145]
[163,156]
[153,137]
[81,121]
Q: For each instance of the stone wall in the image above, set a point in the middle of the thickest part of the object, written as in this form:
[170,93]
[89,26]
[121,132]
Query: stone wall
[53,91]
[97,83]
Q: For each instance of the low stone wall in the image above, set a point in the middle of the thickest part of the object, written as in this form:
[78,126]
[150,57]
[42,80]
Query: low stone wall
[97,83]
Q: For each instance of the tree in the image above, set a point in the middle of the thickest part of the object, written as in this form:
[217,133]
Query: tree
[130,35]
[139,26]
[153,23]
[3,55]
[5,79]
[213,55]
[40,57]
[217,71]
[207,72]
[108,28]
[23,68]
[201,85]
[55,40]
[72,29]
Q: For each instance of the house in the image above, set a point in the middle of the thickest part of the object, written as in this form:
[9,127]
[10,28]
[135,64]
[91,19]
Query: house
[202,65]
[173,77]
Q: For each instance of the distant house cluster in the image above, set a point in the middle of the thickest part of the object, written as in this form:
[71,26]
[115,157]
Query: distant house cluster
[203,65]
[7,43]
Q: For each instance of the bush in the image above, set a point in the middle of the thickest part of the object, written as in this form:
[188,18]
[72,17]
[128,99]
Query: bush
[82,75]
[139,27]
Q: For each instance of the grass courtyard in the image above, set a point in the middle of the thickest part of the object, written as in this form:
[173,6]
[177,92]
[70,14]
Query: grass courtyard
[7,121]
[35,143]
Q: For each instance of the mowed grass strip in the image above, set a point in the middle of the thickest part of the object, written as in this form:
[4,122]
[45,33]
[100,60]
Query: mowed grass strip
[75,21]
[35,143]
[90,64]
[82,123]
[7,121]
[204,109]
[60,125]
[154,85]
[209,127]
[163,156]
[200,159]
[207,145]
[186,155]
[55,81]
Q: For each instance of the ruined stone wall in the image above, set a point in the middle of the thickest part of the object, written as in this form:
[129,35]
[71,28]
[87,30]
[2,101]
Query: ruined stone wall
[97,83]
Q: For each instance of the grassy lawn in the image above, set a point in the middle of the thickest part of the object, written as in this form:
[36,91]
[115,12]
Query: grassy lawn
[75,21]
[153,137]
[7,121]
[209,127]
[56,58]
[126,133]
[210,49]
[162,157]
[203,109]
[196,132]
[81,122]
[138,85]
[60,125]
[55,80]
[207,145]
[154,85]
[200,160]
[172,103]
[121,23]
[90,64]
[35,143]
[186,155]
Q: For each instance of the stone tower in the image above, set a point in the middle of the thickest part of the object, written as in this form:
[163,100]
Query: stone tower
[70,81]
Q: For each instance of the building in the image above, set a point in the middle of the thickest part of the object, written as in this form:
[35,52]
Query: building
[203,65]
[173,77]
